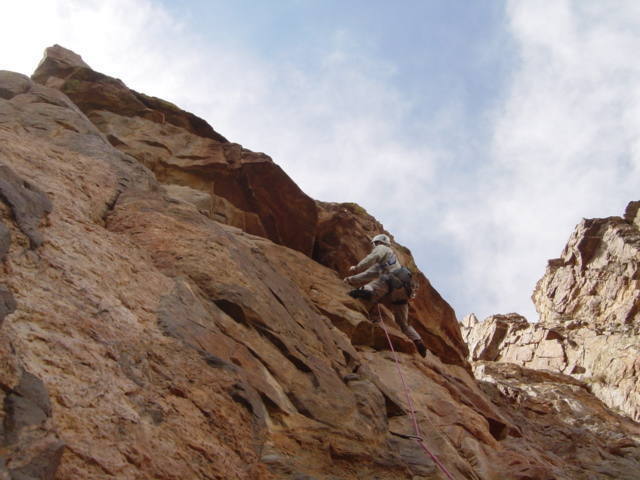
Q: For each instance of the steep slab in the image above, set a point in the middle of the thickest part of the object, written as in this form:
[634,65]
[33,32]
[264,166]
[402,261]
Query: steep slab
[91,387]
[238,187]
[150,341]
[273,312]
[144,339]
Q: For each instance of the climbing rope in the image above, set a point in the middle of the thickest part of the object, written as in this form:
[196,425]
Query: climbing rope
[418,436]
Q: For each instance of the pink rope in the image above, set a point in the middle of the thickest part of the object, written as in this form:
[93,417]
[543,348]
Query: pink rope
[418,437]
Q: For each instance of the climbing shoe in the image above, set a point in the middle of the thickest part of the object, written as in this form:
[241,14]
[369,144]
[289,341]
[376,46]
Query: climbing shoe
[361,293]
[351,377]
[422,350]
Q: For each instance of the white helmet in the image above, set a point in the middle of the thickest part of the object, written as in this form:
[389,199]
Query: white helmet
[382,238]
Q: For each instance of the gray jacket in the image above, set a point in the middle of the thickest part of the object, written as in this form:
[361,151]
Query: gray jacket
[381,260]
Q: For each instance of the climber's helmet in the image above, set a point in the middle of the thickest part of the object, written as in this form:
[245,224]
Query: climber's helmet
[382,238]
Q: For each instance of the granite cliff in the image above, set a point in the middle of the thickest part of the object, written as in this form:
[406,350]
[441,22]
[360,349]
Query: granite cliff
[172,308]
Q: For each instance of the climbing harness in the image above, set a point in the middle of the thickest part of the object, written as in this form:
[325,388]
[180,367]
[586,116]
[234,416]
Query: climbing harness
[418,435]
[401,279]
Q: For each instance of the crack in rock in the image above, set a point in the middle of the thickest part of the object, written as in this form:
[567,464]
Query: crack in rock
[27,202]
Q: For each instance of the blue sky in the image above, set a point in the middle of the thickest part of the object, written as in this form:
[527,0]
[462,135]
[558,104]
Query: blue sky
[479,133]
[438,53]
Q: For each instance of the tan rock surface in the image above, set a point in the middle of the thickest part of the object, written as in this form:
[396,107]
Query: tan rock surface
[589,305]
[572,430]
[608,362]
[596,280]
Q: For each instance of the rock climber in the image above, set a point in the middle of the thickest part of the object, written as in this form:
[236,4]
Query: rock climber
[382,279]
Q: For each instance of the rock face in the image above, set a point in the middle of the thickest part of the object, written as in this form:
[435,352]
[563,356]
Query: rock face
[570,428]
[343,238]
[596,280]
[589,306]
[240,188]
[183,149]
[144,337]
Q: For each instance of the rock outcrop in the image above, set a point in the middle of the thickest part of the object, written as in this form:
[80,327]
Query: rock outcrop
[180,148]
[146,337]
[589,306]
[343,238]
[563,422]
[596,280]
[240,188]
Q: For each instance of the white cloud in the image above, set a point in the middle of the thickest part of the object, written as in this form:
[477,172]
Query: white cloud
[334,125]
[565,145]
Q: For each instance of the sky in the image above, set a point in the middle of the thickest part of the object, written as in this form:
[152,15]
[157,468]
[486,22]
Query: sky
[479,133]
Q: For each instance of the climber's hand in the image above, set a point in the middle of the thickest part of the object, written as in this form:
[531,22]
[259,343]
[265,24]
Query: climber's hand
[352,269]
[347,280]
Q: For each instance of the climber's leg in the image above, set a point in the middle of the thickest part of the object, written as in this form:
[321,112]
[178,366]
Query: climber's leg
[401,316]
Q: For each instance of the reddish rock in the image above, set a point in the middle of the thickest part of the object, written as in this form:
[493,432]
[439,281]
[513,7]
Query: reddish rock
[217,208]
[247,189]
[344,237]
[172,346]
[183,149]
[124,400]
[148,340]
